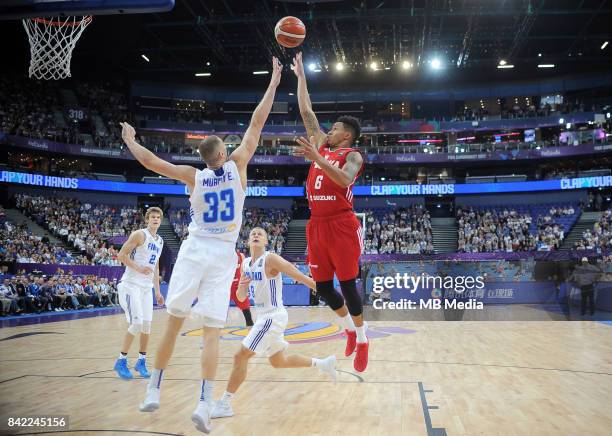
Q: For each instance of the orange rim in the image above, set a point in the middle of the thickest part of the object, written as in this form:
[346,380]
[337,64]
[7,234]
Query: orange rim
[87,19]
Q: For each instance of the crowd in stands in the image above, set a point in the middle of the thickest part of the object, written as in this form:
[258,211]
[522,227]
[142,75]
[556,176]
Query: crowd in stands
[101,99]
[40,110]
[274,221]
[600,236]
[29,111]
[399,231]
[518,110]
[550,233]
[38,293]
[18,244]
[84,226]
[494,230]
[499,228]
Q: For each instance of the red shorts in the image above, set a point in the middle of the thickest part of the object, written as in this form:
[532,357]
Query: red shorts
[334,246]
[242,305]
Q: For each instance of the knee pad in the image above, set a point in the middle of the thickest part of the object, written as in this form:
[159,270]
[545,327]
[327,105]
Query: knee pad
[330,295]
[134,329]
[176,313]
[211,322]
[351,296]
[146,327]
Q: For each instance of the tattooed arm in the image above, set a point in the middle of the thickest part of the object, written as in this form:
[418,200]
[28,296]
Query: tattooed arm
[308,116]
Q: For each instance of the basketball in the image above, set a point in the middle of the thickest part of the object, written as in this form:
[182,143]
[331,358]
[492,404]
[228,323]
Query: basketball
[290,32]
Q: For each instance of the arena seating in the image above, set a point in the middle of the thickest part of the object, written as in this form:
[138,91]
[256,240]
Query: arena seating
[514,227]
[84,226]
[17,244]
[600,236]
[22,294]
[398,231]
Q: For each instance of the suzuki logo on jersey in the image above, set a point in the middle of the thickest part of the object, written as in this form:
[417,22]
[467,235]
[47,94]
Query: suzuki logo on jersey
[322,198]
[255,276]
[153,247]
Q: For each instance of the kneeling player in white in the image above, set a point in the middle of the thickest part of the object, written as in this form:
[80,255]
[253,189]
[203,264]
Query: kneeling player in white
[262,279]
[140,255]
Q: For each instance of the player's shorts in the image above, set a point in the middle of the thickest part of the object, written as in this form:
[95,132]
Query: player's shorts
[204,269]
[136,301]
[267,336]
[334,246]
[242,305]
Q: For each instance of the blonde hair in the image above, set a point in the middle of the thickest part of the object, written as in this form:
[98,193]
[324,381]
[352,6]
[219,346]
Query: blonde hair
[209,148]
[153,210]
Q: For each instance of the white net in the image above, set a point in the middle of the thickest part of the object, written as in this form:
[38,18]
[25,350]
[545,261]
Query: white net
[51,43]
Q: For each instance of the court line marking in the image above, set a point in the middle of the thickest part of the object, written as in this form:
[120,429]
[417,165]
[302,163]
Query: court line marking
[217,379]
[431,431]
[14,378]
[412,362]
[357,376]
[102,430]
[27,334]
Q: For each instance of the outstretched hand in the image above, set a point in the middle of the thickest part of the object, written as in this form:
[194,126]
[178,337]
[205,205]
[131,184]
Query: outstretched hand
[298,66]
[277,69]
[127,132]
[307,149]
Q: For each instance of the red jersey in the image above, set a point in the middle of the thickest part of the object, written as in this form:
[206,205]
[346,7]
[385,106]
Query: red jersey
[326,197]
[242,305]
[238,273]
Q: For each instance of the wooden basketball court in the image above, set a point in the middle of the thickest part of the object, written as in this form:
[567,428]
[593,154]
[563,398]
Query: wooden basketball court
[424,378]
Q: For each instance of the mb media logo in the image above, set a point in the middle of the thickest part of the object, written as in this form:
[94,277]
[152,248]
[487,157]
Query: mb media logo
[307,332]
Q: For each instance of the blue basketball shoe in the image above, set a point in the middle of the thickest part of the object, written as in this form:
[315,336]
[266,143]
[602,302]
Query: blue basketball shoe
[122,369]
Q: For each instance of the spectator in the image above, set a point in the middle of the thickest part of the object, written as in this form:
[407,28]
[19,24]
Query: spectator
[8,298]
[400,231]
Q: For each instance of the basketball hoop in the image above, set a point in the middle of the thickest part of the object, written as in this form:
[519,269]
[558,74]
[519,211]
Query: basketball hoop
[51,44]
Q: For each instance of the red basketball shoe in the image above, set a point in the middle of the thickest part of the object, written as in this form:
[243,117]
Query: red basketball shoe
[351,341]
[361,357]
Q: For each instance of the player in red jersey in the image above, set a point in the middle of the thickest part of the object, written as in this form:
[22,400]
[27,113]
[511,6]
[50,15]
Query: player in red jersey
[333,234]
[244,305]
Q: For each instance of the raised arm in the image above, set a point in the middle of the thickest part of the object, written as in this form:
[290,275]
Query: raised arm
[276,264]
[182,173]
[308,116]
[243,154]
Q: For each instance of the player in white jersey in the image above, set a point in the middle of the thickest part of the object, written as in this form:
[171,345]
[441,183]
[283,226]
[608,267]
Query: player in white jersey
[140,254]
[205,265]
[262,279]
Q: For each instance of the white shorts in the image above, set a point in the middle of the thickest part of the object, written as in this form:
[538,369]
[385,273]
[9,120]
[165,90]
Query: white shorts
[136,301]
[204,269]
[267,336]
